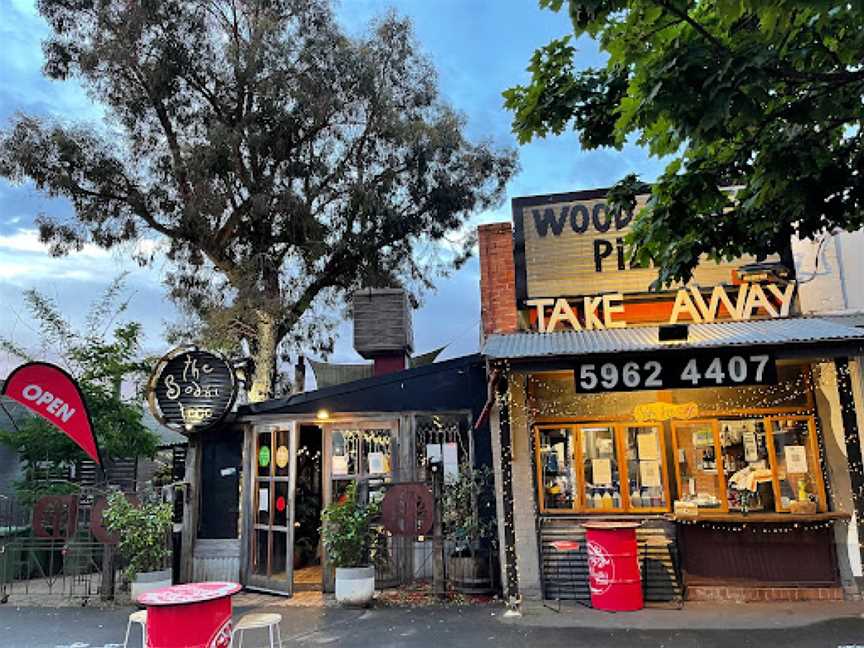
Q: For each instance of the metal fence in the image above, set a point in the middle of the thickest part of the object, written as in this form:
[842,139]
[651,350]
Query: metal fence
[37,568]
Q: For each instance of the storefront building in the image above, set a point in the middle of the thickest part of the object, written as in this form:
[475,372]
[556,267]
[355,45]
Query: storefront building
[256,485]
[715,414]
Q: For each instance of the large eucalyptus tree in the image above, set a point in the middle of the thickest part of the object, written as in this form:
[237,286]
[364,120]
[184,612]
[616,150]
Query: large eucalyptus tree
[284,162]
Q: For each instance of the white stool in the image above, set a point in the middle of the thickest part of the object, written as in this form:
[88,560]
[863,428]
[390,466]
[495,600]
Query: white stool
[255,622]
[137,617]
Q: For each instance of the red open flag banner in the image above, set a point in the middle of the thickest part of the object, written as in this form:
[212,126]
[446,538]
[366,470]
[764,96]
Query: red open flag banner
[50,392]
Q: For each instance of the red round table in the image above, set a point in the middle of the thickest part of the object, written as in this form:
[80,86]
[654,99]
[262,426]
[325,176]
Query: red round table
[194,615]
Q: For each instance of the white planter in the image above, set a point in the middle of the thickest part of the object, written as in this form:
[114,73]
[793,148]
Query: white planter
[355,585]
[149,581]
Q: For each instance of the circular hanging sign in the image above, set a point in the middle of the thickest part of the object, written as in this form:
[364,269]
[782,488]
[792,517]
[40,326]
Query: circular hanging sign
[264,456]
[191,390]
[282,456]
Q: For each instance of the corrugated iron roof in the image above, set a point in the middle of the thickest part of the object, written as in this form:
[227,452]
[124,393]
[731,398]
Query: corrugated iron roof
[799,330]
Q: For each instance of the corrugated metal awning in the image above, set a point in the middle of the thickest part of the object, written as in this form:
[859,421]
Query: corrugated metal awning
[806,331]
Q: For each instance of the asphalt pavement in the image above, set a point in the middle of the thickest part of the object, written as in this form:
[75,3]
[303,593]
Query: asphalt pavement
[470,627]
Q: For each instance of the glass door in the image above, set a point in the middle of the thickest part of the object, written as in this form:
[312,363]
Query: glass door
[272,539]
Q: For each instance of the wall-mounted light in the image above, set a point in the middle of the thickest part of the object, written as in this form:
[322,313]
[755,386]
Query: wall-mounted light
[322,415]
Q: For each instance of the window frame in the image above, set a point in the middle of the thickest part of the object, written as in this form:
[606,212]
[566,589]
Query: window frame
[618,430]
[361,477]
[812,457]
[664,470]
[576,457]
[715,428]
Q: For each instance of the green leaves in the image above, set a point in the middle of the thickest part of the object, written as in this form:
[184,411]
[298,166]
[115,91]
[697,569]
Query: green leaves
[764,95]
[101,360]
[284,163]
[347,531]
[468,508]
[142,530]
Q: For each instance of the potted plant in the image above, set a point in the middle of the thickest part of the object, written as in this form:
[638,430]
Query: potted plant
[470,529]
[142,532]
[350,541]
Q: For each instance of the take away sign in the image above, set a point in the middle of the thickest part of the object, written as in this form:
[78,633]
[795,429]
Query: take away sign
[50,392]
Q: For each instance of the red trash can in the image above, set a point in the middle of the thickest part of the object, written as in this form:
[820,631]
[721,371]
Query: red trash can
[613,566]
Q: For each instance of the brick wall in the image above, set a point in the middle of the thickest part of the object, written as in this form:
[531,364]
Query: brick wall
[497,278]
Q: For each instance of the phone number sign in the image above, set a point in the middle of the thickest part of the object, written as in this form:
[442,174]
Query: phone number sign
[675,371]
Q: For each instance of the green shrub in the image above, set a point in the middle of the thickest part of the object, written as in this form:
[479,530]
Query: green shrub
[347,531]
[142,530]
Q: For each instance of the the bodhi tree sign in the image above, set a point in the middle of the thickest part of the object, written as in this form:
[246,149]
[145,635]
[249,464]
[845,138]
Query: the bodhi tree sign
[50,392]
[191,389]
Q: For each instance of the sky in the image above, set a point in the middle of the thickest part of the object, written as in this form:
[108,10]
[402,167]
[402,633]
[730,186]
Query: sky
[479,47]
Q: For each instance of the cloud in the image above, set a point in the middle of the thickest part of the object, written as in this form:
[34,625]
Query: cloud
[479,48]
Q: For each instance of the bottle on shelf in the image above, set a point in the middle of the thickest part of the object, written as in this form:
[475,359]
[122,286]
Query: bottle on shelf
[635,498]
[606,500]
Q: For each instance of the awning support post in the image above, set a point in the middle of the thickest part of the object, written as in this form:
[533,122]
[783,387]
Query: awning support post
[853,444]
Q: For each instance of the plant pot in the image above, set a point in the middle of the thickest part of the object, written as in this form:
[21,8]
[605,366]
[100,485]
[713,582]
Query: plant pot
[149,581]
[355,586]
[470,574]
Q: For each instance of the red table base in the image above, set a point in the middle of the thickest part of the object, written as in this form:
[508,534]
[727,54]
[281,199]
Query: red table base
[193,625]
[195,615]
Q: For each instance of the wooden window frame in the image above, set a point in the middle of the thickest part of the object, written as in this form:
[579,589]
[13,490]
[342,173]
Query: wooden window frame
[362,476]
[619,430]
[616,442]
[664,469]
[715,428]
[813,457]
[576,457]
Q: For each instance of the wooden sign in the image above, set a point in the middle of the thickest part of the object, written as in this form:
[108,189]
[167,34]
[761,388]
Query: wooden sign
[408,509]
[573,244]
[191,389]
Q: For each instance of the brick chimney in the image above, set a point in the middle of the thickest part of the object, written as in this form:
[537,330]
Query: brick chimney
[497,279]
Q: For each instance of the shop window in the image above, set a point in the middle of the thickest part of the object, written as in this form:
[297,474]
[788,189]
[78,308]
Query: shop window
[746,465]
[764,465]
[697,457]
[557,455]
[647,481]
[797,484]
[363,455]
[601,468]
[445,438]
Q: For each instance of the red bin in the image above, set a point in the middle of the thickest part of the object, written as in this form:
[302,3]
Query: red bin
[613,566]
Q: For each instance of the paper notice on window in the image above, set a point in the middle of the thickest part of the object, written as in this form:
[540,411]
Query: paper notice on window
[339,465]
[264,499]
[451,462]
[376,463]
[601,472]
[649,473]
[751,452]
[647,443]
[796,459]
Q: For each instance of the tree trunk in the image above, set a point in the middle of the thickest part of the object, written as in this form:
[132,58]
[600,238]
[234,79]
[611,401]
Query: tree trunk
[265,357]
